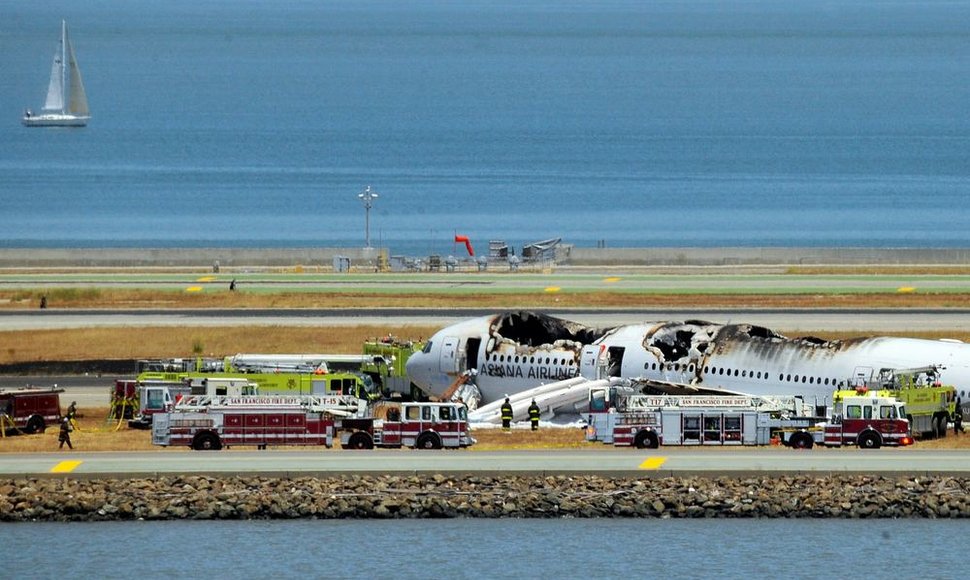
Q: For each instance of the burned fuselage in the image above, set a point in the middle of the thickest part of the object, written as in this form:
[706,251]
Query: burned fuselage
[516,351]
[751,359]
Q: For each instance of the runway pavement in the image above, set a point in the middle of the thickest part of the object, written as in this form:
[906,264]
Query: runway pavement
[786,320]
[596,460]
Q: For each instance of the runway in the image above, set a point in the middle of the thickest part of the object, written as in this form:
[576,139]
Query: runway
[785,320]
[599,460]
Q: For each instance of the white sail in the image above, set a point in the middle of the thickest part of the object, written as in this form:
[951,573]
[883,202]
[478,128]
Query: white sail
[79,100]
[55,91]
[66,104]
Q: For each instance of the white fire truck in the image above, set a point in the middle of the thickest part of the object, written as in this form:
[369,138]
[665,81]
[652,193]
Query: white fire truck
[213,422]
[156,398]
[648,421]
[417,425]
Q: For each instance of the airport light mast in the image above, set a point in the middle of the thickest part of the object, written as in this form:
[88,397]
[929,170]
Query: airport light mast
[367,196]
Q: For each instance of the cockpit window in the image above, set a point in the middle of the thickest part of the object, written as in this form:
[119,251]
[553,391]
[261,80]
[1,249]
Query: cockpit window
[427,348]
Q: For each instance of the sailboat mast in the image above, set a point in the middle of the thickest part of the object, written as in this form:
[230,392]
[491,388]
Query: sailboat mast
[64,66]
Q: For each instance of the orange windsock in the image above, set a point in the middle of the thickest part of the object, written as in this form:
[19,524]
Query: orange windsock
[468,243]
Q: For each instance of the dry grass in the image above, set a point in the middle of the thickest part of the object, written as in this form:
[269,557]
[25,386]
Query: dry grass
[160,342]
[120,298]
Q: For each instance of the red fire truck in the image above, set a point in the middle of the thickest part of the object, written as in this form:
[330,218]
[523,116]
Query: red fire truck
[648,421]
[869,422]
[416,425]
[214,422]
[30,410]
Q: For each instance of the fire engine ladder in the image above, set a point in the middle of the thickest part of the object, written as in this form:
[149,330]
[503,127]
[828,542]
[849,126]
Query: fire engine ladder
[344,404]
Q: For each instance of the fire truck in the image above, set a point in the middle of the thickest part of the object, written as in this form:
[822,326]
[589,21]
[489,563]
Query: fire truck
[213,422]
[416,425]
[929,403]
[648,421]
[867,421]
[29,409]
[162,397]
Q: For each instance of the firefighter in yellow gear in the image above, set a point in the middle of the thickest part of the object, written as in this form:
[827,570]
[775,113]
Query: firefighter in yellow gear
[507,414]
[534,415]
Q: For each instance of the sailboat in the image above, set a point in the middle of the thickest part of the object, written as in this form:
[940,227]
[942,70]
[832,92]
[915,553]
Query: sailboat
[66,105]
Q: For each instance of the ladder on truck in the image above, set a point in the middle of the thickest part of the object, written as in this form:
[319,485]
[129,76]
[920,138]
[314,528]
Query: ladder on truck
[766,404]
[334,404]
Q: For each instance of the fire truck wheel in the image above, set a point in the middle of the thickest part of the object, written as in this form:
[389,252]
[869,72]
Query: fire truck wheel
[869,441]
[359,440]
[647,440]
[428,441]
[941,425]
[801,441]
[35,425]
[206,442]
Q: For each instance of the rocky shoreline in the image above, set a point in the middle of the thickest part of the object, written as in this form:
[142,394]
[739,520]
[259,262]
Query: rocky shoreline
[439,496]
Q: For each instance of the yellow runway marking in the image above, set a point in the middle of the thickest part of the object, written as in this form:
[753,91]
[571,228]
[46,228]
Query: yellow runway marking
[653,463]
[194,289]
[611,279]
[206,279]
[552,289]
[65,467]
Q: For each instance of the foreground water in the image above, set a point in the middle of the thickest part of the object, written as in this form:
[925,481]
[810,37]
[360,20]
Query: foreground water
[487,549]
[256,123]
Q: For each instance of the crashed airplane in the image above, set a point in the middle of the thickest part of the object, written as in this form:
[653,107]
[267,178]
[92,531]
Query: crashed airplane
[516,351]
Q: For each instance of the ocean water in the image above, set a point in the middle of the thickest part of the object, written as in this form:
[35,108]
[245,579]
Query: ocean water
[624,123]
[419,549]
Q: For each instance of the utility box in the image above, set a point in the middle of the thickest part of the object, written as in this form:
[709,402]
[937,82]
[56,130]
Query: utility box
[341,264]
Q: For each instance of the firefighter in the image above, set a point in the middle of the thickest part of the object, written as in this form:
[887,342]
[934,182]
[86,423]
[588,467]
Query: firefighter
[506,414]
[72,410]
[65,434]
[957,419]
[534,415]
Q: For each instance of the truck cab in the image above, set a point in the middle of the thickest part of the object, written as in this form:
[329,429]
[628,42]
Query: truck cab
[869,422]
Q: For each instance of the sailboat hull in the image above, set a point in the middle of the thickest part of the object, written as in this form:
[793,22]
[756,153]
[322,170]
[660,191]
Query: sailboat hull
[55,120]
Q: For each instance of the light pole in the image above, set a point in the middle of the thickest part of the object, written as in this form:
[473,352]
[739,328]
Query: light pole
[367,196]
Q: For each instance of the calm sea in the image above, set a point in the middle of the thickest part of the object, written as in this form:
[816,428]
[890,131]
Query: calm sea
[422,549]
[662,123]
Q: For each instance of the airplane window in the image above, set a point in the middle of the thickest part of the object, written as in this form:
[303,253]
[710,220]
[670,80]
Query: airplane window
[744,373]
[427,348]
[796,378]
[653,366]
[720,371]
[811,380]
[547,360]
[690,368]
[803,379]
[705,370]
[788,378]
[735,372]
[676,366]
[826,380]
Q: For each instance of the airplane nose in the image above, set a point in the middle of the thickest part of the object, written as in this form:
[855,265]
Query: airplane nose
[417,370]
